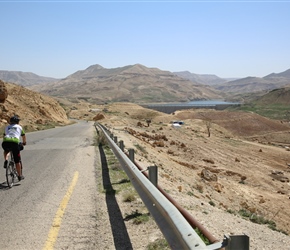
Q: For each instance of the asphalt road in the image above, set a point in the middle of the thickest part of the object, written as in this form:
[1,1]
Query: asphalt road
[55,206]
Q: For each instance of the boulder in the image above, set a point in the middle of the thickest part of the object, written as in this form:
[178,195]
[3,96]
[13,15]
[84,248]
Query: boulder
[209,176]
[98,117]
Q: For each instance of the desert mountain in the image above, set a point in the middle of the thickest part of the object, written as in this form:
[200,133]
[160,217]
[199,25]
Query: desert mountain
[256,84]
[24,78]
[36,111]
[139,84]
[242,85]
[246,85]
[202,78]
[252,84]
[133,83]
[276,96]
[285,74]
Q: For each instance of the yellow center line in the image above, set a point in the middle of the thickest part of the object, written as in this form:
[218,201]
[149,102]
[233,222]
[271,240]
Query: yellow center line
[53,232]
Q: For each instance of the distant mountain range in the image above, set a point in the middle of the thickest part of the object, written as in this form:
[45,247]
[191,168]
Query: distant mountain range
[139,84]
[24,78]
[133,83]
[256,84]
[242,85]
[204,78]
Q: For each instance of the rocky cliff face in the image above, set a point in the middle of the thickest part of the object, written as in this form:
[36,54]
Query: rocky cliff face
[36,110]
[3,92]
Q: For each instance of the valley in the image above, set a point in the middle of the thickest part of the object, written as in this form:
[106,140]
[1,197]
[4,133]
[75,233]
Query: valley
[228,165]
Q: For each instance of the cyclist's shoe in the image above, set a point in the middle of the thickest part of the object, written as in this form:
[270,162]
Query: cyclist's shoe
[20,178]
[5,163]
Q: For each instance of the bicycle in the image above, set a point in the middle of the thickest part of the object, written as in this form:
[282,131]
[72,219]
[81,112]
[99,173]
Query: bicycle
[11,172]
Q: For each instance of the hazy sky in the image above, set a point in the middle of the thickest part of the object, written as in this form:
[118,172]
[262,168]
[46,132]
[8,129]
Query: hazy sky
[225,38]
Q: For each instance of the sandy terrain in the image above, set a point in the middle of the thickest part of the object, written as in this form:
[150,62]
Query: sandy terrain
[214,176]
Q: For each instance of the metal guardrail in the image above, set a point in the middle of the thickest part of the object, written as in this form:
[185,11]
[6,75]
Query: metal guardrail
[178,232]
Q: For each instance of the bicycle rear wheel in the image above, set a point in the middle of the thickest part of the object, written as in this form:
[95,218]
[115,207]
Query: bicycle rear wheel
[10,173]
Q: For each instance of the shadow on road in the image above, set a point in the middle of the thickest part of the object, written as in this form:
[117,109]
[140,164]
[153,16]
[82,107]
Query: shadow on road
[4,186]
[119,230]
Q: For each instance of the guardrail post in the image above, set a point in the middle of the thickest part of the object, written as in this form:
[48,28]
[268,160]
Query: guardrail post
[121,145]
[115,139]
[241,242]
[131,154]
[153,175]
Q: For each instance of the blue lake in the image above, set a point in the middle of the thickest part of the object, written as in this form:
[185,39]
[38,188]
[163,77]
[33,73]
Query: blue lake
[173,106]
[209,102]
[196,103]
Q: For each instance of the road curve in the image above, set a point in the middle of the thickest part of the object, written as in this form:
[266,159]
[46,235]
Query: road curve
[55,206]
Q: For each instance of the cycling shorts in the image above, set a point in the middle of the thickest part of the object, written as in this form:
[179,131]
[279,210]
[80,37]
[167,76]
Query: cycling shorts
[14,147]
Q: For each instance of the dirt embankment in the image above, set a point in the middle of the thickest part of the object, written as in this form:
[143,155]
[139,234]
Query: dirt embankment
[225,168]
[37,111]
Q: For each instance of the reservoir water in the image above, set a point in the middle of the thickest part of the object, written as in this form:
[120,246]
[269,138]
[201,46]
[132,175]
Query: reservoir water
[199,103]
[172,107]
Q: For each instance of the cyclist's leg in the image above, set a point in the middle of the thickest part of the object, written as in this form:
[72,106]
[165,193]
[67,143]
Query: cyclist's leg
[20,161]
[19,170]
[5,146]
[17,159]
[6,155]
[21,177]
[16,156]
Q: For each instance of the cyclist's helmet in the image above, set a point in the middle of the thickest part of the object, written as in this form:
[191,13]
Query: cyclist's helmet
[14,119]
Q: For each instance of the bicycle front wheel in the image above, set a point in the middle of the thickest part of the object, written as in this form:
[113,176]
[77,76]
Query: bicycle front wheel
[10,175]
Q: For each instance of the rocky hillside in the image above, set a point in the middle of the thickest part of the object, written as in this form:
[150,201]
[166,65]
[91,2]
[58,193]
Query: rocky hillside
[276,96]
[246,177]
[134,83]
[36,111]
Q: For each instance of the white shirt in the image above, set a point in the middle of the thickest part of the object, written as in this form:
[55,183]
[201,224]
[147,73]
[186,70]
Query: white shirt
[13,132]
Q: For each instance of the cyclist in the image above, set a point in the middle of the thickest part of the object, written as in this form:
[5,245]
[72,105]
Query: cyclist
[11,142]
